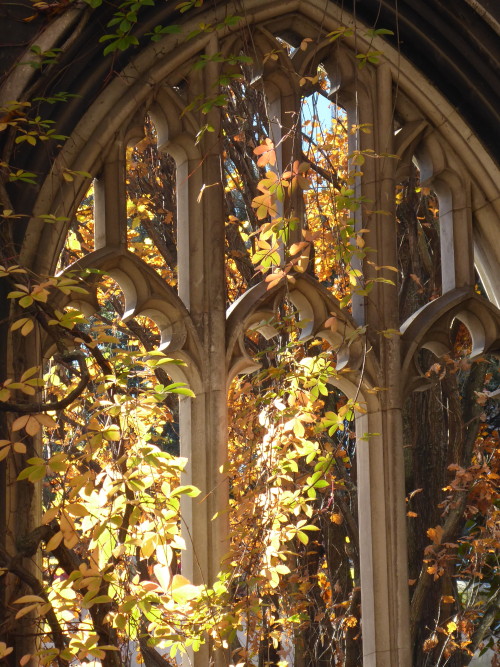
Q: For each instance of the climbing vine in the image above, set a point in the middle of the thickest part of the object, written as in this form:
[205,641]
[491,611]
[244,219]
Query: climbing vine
[95,427]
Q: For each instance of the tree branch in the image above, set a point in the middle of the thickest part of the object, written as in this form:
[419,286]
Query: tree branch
[31,408]
[472,412]
[14,566]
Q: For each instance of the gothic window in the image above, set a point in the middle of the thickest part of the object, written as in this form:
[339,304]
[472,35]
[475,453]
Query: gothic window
[207,210]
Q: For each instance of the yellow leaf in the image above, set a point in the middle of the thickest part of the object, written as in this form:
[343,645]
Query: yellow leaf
[19,447]
[451,627]
[148,545]
[77,510]
[19,323]
[4,394]
[32,425]
[25,610]
[183,592]
[4,651]
[27,327]
[302,537]
[29,373]
[112,433]
[28,598]
[54,541]
[162,573]
[50,514]
[295,248]
[298,429]
[178,581]
[44,609]
[45,420]
[71,540]
[67,525]
[435,534]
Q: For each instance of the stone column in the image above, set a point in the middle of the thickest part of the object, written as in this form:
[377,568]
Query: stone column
[381,492]
[201,271]
[455,222]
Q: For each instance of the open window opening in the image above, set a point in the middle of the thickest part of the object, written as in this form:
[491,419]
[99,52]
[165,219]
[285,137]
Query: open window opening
[292,470]
[152,205]
[330,201]
[80,238]
[320,218]
[108,473]
[244,124]
[419,243]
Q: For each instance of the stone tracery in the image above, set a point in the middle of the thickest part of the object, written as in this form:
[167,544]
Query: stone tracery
[194,324]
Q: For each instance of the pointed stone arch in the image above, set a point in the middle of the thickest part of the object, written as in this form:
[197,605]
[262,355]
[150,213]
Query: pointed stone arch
[453,160]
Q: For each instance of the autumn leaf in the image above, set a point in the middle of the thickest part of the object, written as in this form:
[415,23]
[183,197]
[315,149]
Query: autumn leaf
[266,153]
[435,534]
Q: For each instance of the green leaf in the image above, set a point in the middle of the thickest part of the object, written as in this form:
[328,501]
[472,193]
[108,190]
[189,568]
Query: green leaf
[379,31]
[187,490]
[302,537]
[99,599]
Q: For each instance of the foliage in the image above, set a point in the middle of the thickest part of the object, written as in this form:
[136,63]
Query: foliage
[104,409]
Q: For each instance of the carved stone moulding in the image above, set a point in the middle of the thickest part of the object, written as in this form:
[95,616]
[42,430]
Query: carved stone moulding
[257,307]
[430,328]
[145,294]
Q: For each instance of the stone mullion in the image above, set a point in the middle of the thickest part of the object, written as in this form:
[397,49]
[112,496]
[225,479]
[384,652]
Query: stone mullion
[383,552]
[110,199]
[215,334]
[457,247]
[285,132]
[292,151]
[390,356]
[275,117]
[192,412]
[203,289]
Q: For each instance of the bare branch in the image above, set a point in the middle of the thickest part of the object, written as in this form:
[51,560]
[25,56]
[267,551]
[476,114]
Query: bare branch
[31,408]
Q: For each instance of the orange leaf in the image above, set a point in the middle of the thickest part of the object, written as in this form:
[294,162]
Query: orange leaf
[32,425]
[435,534]
[20,422]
